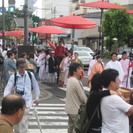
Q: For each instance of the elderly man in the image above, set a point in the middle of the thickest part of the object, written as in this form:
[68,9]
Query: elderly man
[12,111]
[23,83]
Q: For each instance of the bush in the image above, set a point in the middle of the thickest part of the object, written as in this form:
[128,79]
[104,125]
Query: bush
[106,55]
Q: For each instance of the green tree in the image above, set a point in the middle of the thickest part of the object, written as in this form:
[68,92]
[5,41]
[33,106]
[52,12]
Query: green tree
[9,17]
[117,24]
[8,21]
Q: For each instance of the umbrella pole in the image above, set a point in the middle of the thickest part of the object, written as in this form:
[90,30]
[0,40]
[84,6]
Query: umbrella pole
[73,32]
[100,31]
[46,39]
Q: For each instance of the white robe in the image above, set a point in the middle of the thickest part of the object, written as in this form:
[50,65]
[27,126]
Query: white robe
[117,66]
[92,62]
[67,62]
[127,71]
[40,63]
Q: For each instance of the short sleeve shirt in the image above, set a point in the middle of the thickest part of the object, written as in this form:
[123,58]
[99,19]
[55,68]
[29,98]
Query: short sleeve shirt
[5,126]
[115,120]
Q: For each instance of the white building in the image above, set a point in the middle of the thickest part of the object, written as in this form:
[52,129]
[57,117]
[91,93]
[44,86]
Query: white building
[55,8]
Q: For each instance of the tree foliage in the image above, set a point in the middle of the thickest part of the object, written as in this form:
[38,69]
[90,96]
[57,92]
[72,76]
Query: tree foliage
[117,24]
[9,17]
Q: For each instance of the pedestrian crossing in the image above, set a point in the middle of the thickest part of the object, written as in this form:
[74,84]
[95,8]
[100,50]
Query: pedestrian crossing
[52,119]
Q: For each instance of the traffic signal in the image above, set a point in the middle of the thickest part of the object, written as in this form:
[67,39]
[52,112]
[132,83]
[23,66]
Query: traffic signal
[11,2]
[11,6]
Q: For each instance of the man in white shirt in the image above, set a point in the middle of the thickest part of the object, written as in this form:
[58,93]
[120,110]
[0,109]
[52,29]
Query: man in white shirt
[22,82]
[114,109]
[114,64]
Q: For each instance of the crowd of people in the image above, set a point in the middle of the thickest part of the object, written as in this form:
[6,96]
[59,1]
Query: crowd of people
[62,67]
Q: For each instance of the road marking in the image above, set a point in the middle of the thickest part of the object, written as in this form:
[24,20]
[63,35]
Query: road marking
[52,117]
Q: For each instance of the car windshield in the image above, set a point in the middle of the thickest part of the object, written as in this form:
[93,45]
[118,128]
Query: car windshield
[85,49]
[83,53]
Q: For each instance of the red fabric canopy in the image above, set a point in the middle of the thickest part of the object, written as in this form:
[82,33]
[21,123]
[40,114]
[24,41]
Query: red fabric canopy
[74,22]
[46,29]
[102,5]
[15,33]
[4,32]
[130,12]
[75,26]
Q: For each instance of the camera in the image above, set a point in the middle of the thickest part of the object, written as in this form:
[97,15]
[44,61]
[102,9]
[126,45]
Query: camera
[19,92]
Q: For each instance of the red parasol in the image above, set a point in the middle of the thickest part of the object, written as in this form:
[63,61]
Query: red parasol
[73,22]
[51,45]
[15,33]
[46,29]
[5,33]
[130,12]
[102,5]
[75,26]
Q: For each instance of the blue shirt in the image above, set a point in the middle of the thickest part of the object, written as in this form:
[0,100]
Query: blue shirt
[9,66]
[23,83]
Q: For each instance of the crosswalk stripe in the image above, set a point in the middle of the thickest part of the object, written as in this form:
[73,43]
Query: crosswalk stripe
[48,131]
[47,105]
[52,117]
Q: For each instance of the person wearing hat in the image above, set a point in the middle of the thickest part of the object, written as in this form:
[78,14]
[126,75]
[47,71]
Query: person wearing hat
[22,83]
[52,67]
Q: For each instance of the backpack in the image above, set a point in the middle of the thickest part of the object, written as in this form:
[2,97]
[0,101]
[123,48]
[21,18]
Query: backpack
[30,76]
[82,123]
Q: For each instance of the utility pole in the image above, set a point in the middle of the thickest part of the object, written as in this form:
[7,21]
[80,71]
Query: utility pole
[25,22]
[54,11]
[3,24]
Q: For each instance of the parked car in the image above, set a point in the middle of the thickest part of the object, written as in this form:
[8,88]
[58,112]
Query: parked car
[122,49]
[87,49]
[85,57]
[70,46]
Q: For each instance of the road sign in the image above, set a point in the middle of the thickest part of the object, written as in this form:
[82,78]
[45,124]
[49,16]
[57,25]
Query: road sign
[1,9]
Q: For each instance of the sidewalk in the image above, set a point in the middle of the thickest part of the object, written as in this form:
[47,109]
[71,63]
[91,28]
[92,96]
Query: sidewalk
[44,94]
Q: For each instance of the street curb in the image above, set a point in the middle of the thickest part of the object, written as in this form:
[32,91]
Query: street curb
[47,93]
